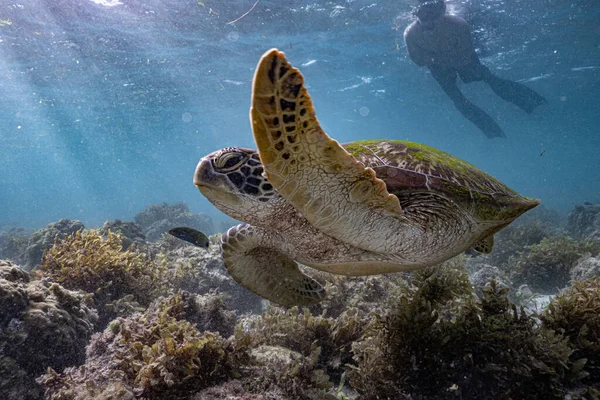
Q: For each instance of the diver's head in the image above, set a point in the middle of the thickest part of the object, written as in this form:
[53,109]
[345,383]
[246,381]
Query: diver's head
[430,11]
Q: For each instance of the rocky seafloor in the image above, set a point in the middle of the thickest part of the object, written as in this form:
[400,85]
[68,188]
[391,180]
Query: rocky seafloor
[125,311]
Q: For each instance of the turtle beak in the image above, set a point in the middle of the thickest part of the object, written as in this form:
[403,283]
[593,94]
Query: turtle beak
[213,185]
[203,175]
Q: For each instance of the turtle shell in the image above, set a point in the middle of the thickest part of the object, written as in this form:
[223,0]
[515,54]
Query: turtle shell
[410,168]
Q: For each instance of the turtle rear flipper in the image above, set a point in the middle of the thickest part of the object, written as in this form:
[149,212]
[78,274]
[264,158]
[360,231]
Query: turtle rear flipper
[485,245]
[266,271]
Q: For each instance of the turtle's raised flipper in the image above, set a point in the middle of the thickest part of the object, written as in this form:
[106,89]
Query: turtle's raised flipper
[266,271]
[334,191]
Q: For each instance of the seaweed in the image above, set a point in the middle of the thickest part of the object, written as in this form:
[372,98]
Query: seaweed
[119,280]
[153,355]
[546,266]
[575,312]
[442,342]
[300,331]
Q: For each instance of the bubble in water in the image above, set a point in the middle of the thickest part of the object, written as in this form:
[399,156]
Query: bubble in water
[186,117]
[364,111]
[233,36]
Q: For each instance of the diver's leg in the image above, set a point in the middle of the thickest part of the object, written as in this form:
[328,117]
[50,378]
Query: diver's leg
[518,94]
[469,110]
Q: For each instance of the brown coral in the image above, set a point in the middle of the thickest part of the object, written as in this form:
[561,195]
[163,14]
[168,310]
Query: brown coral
[155,355]
[42,325]
[119,280]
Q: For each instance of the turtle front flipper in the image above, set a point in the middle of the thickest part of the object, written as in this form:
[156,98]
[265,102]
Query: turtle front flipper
[266,271]
[313,172]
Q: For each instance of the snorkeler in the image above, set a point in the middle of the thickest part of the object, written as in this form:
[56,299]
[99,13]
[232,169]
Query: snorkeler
[443,43]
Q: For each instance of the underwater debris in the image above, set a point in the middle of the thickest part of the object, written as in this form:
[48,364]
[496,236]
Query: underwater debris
[157,219]
[43,239]
[243,15]
[42,325]
[118,280]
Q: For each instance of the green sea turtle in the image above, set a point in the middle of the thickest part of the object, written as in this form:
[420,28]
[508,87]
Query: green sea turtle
[362,208]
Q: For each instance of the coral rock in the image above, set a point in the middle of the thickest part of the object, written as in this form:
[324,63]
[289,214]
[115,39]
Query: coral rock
[584,222]
[43,239]
[13,243]
[42,325]
[586,268]
[130,232]
[157,219]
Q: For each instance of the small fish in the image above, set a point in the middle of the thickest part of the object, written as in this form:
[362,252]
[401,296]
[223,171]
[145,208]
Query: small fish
[542,153]
[191,235]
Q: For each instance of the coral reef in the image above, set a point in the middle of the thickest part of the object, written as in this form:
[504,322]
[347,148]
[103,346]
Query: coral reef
[584,222]
[201,270]
[512,240]
[433,333]
[43,239]
[482,277]
[280,370]
[438,341]
[586,267]
[150,354]
[363,293]
[13,243]
[157,219]
[546,266]
[208,312]
[130,232]
[41,325]
[234,390]
[576,313]
[120,281]
[325,341]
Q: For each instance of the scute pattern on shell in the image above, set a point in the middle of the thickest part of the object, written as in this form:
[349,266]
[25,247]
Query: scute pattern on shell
[408,166]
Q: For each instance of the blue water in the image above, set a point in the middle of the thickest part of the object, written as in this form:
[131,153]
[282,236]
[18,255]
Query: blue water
[107,105]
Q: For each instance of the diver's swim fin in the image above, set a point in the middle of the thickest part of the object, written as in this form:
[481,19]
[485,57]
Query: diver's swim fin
[476,115]
[483,121]
[469,110]
[518,94]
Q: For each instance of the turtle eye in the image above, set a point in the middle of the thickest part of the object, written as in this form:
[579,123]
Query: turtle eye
[229,161]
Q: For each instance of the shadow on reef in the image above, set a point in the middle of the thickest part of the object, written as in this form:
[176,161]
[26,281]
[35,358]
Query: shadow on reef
[170,323]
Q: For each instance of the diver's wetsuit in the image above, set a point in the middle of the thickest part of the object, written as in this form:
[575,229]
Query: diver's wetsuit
[514,92]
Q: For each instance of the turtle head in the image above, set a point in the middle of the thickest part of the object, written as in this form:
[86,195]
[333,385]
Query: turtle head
[232,179]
